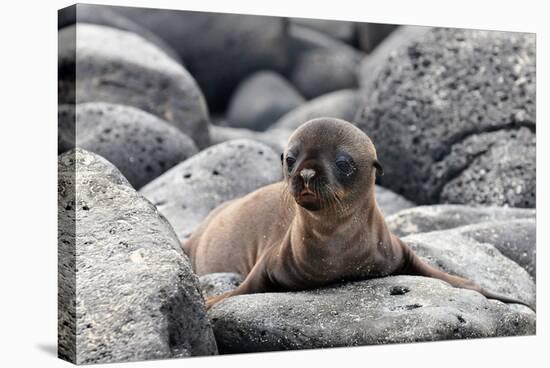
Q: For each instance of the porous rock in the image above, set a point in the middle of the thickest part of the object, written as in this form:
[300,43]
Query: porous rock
[126,290]
[186,193]
[457,90]
[397,309]
[218,49]
[260,100]
[120,67]
[139,144]
[340,104]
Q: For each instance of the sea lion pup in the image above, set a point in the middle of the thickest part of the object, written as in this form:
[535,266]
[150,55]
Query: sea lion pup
[320,225]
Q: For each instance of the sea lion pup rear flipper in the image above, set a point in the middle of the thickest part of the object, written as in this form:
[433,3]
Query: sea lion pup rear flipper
[414,265]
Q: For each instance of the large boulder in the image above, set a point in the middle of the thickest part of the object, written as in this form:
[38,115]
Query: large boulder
[126,289]
[260,100]
[123,68]
[398,309]
[340,104]
[452,115]
[424,219]
[218,49]
[186,193]
[105,15]
[139,144]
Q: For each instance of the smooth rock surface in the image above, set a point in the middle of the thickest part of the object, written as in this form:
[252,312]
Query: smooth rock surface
[370,35]
[139,144]
[456,90]
[396,309]
[515,239]
[186,193]
[390,202]
[123,68]
[340,104]
[325,70]
[274,138]
[424,219]
[218,49]
[340,30]
[475,259]
[260,100]
[136,295]
[105,15]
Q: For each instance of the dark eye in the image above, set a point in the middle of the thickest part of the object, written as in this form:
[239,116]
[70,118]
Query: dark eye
[345,166]
[290,162]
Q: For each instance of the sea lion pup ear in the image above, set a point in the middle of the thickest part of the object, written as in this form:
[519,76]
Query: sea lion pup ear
[379,169]
[282,156]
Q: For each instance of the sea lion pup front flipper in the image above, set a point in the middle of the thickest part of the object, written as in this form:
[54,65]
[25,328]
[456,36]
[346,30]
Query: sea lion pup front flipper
[257,281]
[414,265]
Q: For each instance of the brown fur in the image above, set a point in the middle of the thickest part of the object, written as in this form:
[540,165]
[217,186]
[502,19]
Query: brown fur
[282,240]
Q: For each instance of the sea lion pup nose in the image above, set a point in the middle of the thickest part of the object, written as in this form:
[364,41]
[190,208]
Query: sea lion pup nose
[283,238]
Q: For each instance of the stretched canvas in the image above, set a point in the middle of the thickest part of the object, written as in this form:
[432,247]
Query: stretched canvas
[234,183]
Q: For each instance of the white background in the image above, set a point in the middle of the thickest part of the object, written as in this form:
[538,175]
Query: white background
[28,115]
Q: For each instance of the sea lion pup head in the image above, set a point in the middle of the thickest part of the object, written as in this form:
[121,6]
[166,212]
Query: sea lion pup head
[329,164]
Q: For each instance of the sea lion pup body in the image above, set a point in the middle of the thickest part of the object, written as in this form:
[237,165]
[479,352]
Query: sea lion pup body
[320,225]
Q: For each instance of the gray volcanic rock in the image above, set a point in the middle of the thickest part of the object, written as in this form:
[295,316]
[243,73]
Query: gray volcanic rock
[377,59]
[516,239]
[274,138]
[260,100]
[136,295]
[369,35]
[454,91]
[325,70]
[105,15]
[495,168]
[139,144]
[123,68]
[396,309]
[424,219]
[186,193]
[390,202]
[337,29]
[463,255]
[218,49]
[340,104]
[218,283]
[303,39]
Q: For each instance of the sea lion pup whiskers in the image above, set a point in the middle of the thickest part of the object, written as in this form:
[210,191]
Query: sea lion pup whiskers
[320,225]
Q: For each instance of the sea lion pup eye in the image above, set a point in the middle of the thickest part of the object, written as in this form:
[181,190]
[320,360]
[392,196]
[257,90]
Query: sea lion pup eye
[330,230]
